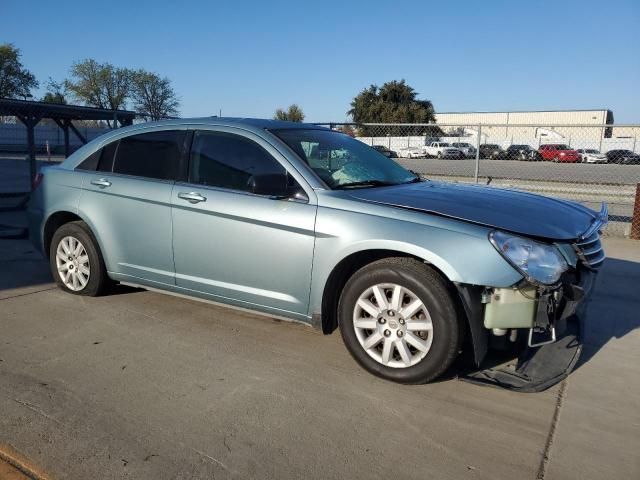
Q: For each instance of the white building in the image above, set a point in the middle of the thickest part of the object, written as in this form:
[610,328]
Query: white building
[576,128]
[544,127]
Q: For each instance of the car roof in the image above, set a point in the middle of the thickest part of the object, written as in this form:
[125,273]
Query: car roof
[252,124]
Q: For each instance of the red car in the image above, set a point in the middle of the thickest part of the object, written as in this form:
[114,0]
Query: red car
[558,152]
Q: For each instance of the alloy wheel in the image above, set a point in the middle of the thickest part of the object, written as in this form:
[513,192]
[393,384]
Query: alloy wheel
[72,262]
[393,325]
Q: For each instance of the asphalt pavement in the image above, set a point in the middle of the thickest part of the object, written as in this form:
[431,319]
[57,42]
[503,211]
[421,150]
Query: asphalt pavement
[570,173]
[142,385]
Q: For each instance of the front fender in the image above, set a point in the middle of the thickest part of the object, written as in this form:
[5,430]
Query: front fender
[460,250]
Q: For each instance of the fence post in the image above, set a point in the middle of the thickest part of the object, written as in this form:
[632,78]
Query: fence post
[635,219]
[477,169]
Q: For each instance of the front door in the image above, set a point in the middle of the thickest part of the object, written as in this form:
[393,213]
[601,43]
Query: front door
[232,244]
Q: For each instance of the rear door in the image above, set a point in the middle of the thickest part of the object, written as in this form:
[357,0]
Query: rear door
[241,247]
[128,202]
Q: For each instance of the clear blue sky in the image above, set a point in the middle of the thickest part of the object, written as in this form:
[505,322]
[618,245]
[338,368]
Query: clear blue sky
[250,57]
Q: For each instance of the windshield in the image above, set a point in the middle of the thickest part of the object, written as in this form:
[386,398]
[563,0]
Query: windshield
[590,150]
[341,161]
[464,145]
[563,147]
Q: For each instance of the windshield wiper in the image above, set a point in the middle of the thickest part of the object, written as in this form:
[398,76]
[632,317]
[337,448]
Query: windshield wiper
[415,179]
[364,183]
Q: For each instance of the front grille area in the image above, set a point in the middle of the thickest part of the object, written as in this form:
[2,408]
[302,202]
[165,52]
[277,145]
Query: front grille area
[590,251]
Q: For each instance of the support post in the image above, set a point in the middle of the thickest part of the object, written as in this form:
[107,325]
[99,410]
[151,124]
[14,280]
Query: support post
[64,126]
[67,147]
[30,123]
[635,219]
[477,168]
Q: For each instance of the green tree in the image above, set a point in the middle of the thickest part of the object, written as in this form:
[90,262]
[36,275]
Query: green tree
[99,84]
[153,97]
[293,114]
[15,80]
[394,102]
[56,92]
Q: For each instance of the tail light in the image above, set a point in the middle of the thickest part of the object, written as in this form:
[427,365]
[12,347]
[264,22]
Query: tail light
[37,180]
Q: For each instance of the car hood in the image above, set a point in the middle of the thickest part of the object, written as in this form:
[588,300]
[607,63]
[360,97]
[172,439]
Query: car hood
[515,211]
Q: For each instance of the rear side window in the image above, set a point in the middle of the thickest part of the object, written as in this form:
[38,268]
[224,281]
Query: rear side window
[150,155]
[226,160]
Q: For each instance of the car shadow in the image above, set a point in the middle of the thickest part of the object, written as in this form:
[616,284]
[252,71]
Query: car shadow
[613,310]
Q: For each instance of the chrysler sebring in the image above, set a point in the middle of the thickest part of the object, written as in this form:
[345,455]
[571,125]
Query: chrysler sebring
[301,222]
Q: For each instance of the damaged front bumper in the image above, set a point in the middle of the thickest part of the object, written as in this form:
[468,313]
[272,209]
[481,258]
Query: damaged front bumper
[549,317]
[537,309]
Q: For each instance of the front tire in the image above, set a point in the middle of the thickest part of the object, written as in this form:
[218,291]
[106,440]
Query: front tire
[76,262]
[399,321]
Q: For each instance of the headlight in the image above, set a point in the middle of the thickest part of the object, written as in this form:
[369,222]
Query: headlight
[538,262]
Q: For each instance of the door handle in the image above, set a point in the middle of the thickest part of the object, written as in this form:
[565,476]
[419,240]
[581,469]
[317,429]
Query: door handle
[192,197]
[102,182]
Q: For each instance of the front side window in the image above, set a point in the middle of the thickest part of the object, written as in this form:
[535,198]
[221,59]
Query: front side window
[226,160]
[342,161]
[149,155]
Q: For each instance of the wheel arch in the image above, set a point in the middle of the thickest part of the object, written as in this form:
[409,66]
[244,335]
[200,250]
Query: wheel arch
[53,223]
[345,268]
[56,219]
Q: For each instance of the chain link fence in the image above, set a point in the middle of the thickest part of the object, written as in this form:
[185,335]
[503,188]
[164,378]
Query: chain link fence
[589,164]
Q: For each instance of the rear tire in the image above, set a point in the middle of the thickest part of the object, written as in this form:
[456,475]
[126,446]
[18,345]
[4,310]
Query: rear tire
[399,321]
[76,262]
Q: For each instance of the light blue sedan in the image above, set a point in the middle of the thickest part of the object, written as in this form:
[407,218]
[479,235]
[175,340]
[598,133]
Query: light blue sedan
[301,222]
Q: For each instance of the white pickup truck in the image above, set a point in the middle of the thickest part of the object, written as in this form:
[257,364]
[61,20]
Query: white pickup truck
[442,150]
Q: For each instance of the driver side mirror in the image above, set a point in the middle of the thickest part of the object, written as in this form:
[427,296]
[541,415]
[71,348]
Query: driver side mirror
[275,185]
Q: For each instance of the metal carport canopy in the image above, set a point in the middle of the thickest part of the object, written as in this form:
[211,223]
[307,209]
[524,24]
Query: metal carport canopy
[30,113]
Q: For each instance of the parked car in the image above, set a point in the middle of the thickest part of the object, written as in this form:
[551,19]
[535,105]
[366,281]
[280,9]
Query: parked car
[466,148]
[492,151]
[385,151]
[558,152]
[591,155]
[623,157]
[243,212]
[411,152]
[522,152]
[441,150]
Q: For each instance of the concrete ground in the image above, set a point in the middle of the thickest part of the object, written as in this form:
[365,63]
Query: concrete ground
[148,386]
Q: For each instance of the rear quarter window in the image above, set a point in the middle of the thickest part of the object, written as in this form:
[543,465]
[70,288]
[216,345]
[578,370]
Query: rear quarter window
[101,160]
